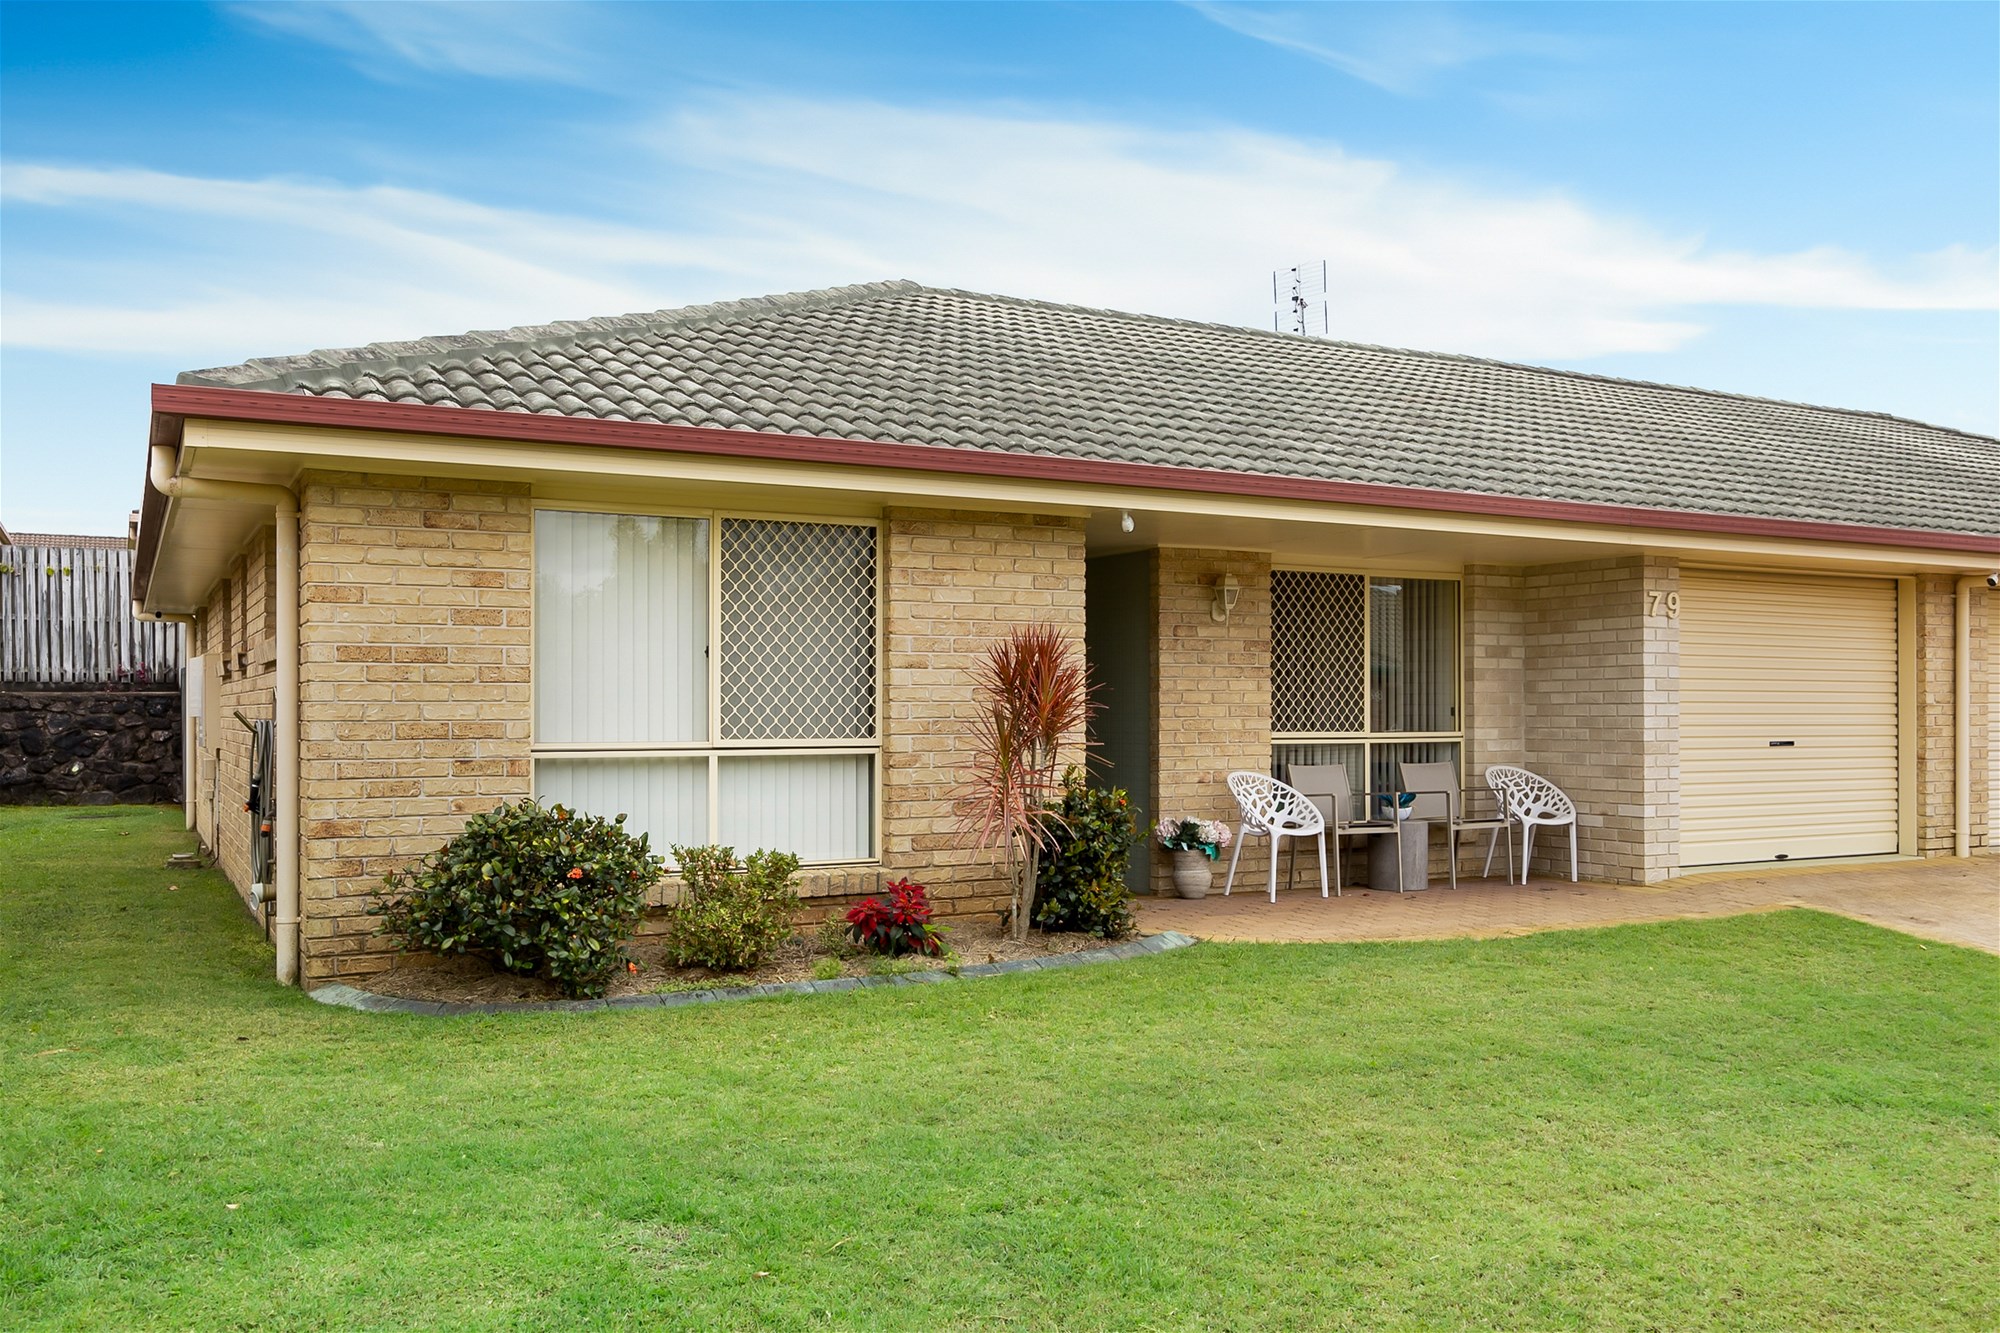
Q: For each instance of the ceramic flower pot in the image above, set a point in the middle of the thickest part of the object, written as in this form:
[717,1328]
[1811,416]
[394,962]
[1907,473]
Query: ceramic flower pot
[1192,874]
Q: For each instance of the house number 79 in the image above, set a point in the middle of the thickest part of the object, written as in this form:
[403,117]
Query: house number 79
[1664,603]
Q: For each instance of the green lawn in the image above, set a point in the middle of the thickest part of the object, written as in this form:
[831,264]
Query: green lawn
[1778,1121]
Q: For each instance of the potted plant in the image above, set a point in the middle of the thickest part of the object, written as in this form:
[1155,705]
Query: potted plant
[1195,843]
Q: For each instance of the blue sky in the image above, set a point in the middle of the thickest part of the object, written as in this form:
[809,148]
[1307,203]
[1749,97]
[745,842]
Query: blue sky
[1800,201]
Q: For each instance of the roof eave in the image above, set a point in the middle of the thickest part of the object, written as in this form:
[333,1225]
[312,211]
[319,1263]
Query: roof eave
[173,403]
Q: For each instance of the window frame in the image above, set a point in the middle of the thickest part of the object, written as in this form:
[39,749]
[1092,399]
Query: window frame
[716,749]
[1369,738]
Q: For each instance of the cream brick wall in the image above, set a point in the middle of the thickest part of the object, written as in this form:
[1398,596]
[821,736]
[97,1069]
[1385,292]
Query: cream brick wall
[414,648]
[955,583]
[416,601]
[1212,687]
[1601,713]
[1495,651]
[239,626]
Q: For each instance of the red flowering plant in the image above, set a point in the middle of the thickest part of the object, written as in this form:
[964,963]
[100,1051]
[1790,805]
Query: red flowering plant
[901,925]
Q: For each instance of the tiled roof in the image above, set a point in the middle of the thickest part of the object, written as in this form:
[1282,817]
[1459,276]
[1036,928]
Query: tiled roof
[67,539]
[897,362]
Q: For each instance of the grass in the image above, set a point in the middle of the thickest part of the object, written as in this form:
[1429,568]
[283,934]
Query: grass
[1775,1121]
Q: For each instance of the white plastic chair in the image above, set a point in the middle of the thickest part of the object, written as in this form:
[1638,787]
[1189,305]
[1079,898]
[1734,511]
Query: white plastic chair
[1439,798]
[1500,803]
[1532,799]
[1275,811]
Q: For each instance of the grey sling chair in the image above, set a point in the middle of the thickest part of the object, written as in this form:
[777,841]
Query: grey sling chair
[1439,797]
[1328,787]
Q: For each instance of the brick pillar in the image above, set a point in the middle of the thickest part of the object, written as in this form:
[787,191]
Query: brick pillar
[1985,723]
[1935,651]
[1660,702]
[1212,691]
[1601,685]
[415,601]
[957,582]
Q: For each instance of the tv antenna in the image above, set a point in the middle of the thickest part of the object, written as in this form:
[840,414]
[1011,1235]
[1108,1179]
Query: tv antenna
[1298,299]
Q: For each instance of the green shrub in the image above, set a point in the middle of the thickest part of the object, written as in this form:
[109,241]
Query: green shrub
[826,969]
[831,937]
[1081,885]
[728,920]
[533,888]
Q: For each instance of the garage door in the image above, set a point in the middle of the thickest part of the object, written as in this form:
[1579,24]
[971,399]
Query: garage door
[1788,717]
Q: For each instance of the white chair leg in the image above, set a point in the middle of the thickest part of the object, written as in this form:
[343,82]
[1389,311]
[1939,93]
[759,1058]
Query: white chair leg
[1277,841]
[1241,833]
[1322,864]
[1572,851]
[1510,851]
[1527,848]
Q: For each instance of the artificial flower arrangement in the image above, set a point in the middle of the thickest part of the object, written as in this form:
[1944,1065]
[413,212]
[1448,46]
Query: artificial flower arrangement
[1207,836]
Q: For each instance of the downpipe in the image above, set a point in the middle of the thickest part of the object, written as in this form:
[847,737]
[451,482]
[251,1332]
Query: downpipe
[285,507]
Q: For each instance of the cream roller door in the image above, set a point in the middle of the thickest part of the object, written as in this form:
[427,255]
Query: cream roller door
[1788,717]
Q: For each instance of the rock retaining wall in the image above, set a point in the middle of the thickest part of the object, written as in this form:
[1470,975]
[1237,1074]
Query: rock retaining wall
[89,746]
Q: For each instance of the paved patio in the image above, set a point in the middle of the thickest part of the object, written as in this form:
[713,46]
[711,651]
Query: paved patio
[1944,899]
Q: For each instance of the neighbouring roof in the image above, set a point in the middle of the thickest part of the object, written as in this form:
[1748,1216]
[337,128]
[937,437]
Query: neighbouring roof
[66,539]
[903,363]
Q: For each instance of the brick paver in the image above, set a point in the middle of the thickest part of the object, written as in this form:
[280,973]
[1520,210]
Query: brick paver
[1944,899]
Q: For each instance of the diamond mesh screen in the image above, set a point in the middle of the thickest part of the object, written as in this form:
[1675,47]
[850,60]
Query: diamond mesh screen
[1319,680]
[798,631]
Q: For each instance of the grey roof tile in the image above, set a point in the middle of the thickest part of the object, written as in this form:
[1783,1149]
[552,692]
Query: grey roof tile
[897,362]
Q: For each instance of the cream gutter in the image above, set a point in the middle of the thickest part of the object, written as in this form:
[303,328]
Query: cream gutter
[286,696]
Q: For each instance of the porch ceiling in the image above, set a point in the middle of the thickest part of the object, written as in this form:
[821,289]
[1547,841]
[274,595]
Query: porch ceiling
[1418,549]
[200,539]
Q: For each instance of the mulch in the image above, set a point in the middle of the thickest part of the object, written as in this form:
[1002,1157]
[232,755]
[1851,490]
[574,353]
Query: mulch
[476,981]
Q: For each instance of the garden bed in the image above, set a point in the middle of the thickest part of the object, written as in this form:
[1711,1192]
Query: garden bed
[475,981]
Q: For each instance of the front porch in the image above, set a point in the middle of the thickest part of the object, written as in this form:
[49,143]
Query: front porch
[1955,901]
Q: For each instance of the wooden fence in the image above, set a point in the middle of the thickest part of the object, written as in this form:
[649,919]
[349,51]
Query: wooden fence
[66,619]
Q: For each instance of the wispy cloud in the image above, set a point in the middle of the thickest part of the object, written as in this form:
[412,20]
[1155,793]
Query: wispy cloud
[1401,47]
[217,267]
[499,39]
[807,193]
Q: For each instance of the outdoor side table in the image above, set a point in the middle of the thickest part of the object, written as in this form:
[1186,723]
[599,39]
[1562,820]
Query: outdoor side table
[1415,871]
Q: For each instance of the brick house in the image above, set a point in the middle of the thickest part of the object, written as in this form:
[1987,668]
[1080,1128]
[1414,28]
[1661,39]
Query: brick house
[724,569]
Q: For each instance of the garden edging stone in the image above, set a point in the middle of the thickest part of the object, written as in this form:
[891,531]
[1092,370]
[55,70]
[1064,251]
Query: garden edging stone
[353,997]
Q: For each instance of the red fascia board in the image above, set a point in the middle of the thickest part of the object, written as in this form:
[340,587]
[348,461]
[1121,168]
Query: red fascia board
[172,401]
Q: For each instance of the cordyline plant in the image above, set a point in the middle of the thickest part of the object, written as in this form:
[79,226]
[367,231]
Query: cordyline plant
[1033,693]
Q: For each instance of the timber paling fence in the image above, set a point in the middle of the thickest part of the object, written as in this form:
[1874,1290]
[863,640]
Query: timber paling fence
[66,619]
